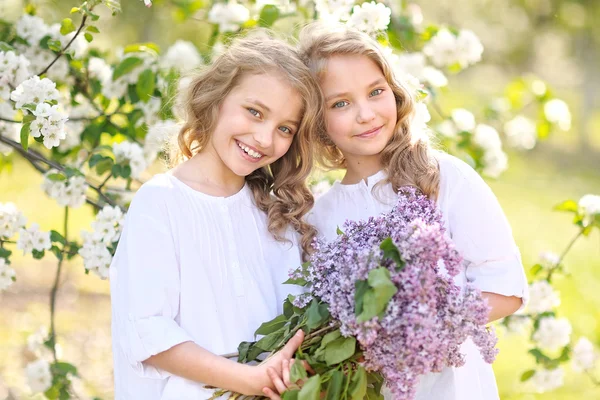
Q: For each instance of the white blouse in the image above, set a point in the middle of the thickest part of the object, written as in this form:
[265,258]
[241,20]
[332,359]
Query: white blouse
[475,222]
[191,267]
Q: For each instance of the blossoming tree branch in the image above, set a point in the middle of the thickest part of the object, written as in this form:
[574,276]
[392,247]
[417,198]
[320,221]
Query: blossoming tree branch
[92,122]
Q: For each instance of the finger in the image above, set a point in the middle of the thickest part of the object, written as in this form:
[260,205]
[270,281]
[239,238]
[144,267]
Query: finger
[276,379]
[271,394]
[285,369]
[307,367]
[292,345]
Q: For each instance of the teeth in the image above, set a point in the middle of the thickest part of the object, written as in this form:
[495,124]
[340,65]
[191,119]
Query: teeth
[249,151]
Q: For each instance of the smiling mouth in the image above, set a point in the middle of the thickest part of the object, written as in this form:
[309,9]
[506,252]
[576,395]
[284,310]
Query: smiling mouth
[249,152]
[370,133]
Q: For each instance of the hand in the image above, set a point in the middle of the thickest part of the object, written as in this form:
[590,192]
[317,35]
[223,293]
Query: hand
[262,378]
[283,382]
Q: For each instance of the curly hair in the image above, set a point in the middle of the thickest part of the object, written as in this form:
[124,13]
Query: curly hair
[407,159]
[280,189]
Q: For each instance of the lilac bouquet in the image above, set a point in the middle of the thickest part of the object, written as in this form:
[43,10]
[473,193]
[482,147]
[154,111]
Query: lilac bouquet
[381,306]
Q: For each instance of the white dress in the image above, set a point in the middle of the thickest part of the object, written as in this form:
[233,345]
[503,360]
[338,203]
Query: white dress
[474,220]
[191,267]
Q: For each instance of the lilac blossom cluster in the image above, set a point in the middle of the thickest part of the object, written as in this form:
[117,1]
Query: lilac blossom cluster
[428,318]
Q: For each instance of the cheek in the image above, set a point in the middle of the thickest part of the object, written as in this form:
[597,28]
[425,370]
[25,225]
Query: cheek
[282,145]
[338,124]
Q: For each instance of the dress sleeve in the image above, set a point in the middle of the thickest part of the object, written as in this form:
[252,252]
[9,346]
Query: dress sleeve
[145,284]
[483,236]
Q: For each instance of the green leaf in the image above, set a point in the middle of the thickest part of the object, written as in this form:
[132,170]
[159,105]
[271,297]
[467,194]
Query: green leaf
[339,231]
[268,15]
[38,254]
[104,165]
[5,253]
[126,66]
[65,368]
[145,85]
[297,372]
[330,337]
[243,351]
[6,47]
[288,308]
[334,388]
[151,48]
[57,237]
[66,26]
[116,170]
[290,394]
[311,389]
[56,177]
[377,297]
[271,326]
[95,159]
[25,129]
[89,37]
[269,342]
[358,384]
[536,269]
[315,314]
[527,375]
[391,251]
[568,205]
[339,350]
[361,288]
[126,171]
[54,45]
[92,28]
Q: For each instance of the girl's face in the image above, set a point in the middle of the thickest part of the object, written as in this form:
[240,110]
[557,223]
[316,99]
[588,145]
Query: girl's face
[257,123]
[361,111]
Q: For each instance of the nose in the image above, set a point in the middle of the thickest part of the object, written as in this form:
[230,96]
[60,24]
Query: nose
[365,113]
[263,136]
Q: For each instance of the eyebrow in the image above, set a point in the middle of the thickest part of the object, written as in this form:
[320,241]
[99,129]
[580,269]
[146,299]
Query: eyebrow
[333,96]
[267,109]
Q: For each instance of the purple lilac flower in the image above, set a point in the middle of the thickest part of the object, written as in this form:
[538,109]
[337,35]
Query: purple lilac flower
[428,318]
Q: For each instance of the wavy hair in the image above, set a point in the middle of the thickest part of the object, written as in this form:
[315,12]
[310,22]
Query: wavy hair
[407,159]
[280,189]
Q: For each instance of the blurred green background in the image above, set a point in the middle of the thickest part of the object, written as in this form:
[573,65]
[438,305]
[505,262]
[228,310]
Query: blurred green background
[559,41]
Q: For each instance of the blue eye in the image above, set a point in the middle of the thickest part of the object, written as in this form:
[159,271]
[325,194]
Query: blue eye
[376,92]
[340,104]
[254,112]
[285,129]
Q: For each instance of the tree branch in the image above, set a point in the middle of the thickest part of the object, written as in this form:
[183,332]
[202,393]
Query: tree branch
[62,52]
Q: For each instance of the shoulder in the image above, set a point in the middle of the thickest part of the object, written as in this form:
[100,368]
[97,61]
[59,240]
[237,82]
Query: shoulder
[153,194]
[325,203]
[453,170]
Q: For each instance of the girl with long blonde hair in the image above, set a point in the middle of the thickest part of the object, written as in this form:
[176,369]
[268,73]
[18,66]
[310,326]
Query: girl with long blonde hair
[368,133]
[207,245]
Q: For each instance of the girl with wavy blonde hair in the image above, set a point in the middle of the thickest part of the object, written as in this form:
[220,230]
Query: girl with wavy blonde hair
[369,132]
[207,245]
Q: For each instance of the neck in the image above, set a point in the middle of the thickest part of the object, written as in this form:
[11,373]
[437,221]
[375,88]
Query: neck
[359,168]
[206,172]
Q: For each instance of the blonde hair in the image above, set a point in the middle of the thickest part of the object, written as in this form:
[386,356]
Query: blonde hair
[280,189]
[407,160]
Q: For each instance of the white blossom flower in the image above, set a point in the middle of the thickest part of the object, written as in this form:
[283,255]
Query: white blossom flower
[182,55]
[99,69]
[517,324]
[495,163]
[11,220]
[464,119]
[584,355]
[39,376]
[33,239]
[35,342]
[7,275]
[40,59]
[418,125]
[549,260]
[334,10]
[589,207]
[150,111]
[546,380]
[34,91]
[133,154]
[370,17]
[77,48]
[229,16]
[542,297]
[521,132]
[10,131]
[157,138]
[557,112]
[106,230]
[447,128]
[434,77]
[69,192]
[553,333]
[487,137]
[14,69]
[446,49]
[31,28]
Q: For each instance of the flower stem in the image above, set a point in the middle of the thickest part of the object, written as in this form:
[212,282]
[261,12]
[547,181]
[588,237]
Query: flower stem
[54,290]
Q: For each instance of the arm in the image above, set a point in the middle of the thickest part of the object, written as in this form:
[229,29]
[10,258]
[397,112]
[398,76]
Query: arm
[501,306]
[193,362]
